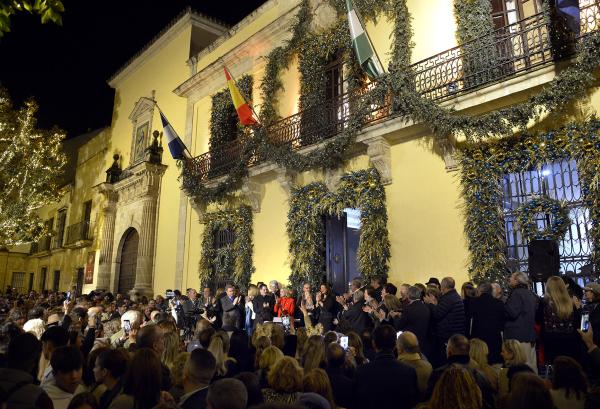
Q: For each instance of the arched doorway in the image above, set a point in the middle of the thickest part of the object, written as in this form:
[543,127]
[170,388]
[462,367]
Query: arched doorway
[128,262]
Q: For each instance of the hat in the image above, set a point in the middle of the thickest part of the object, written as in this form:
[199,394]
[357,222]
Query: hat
[315,400]
[433,280]
[593,287]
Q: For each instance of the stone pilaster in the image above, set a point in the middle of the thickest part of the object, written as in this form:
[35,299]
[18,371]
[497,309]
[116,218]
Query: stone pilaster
[145,256]
[378,150]
[109,211]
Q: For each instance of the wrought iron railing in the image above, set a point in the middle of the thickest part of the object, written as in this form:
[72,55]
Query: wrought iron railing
[506,52]
[78,232]
[41,245]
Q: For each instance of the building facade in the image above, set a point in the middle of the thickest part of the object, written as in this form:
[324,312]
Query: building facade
[135,228]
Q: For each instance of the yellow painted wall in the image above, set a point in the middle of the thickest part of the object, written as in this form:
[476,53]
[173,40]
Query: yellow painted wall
[162,72]
[425,221]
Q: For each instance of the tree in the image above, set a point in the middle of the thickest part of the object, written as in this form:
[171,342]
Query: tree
[31,167]
[48,10]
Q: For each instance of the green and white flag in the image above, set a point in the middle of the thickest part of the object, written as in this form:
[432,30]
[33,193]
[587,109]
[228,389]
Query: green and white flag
[362,45]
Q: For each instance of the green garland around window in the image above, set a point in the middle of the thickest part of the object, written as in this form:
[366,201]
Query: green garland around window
[571,83]
[484,164]
[235,259]
[361,190]
[526,219]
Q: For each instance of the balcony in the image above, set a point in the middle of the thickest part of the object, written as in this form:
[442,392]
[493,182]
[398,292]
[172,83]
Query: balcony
[41,247]
[79,235]
[507,52]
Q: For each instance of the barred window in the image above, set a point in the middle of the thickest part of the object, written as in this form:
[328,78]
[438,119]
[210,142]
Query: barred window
[560,181]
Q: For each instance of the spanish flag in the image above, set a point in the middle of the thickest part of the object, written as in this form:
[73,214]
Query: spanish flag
[241,105]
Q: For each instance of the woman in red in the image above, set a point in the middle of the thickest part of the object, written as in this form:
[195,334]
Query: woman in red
[285,304]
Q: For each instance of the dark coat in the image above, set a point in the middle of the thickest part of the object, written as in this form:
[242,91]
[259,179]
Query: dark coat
[594,310]
[236,312]
[327,312]
[415,318]
[197,400]
[486,322]
[356,318]
[449,315]
[263,313]
[385,383]
[520,309]
[341,386]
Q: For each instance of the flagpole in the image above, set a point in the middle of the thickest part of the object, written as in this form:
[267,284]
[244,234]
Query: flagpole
[240,90]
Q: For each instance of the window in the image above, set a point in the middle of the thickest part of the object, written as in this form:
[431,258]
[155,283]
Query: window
[56,281]
[557,180]
[43,274]
[141,125]
[18,282]
[223,238]
[61,219]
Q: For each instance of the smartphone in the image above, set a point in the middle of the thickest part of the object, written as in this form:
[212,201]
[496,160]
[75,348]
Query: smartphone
[398,334]
[126,326]
[585,321]
[344,342]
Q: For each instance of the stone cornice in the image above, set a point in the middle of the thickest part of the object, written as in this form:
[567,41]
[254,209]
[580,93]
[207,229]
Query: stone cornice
[243,58]
[185,19]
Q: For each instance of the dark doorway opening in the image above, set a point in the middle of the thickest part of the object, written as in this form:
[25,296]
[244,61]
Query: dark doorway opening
[342,235]
[128,261]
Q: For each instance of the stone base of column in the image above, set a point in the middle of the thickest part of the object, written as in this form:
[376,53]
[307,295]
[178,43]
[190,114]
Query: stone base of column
[140,291]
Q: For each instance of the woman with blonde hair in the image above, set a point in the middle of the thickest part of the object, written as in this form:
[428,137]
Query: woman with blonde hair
[317,381]
[219,347]
[269,357]
[515,361]
[478,351]
[172,348]
[456,389]
[559,319]
[285,381]
[314,353]
[260,345]
[177,375]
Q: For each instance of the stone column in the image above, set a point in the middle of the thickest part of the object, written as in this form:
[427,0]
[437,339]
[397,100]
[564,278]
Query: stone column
[109,211]
[145,256]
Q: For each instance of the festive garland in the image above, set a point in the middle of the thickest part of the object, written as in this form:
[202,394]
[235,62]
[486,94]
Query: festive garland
[235,259]
[360,190]
[482,166]
[527,222]
[407,102]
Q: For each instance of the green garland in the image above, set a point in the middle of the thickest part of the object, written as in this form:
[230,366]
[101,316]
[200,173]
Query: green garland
[527,223]
[483,164]
[360,190]
[235,259]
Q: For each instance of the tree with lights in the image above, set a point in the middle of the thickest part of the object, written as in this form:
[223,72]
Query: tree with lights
[31,165]
[48,10]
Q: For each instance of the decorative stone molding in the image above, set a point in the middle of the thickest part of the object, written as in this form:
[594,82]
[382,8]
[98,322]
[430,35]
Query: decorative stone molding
[252,192]
[199,207]
[142,179]
[378,150]
[450,159]
[108,209]
[324,16]
[332,178]
[141,121]
[286,179]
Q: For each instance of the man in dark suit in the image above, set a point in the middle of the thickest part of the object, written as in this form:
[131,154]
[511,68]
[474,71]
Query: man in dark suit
[231,305]
[415,318]
[385,382]
[264,305]
[197,373]
[353,314]
[486,321]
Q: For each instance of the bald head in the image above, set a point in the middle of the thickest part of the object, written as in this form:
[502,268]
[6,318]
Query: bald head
[408,343]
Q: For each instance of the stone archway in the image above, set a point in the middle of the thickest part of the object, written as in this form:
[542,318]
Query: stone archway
[128,261]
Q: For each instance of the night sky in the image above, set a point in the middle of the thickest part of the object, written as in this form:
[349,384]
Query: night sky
[65,68]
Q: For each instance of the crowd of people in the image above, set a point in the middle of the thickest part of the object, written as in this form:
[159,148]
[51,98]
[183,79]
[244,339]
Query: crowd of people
[426,346]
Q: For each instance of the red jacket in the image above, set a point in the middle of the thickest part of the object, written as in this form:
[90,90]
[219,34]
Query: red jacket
[285,304]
